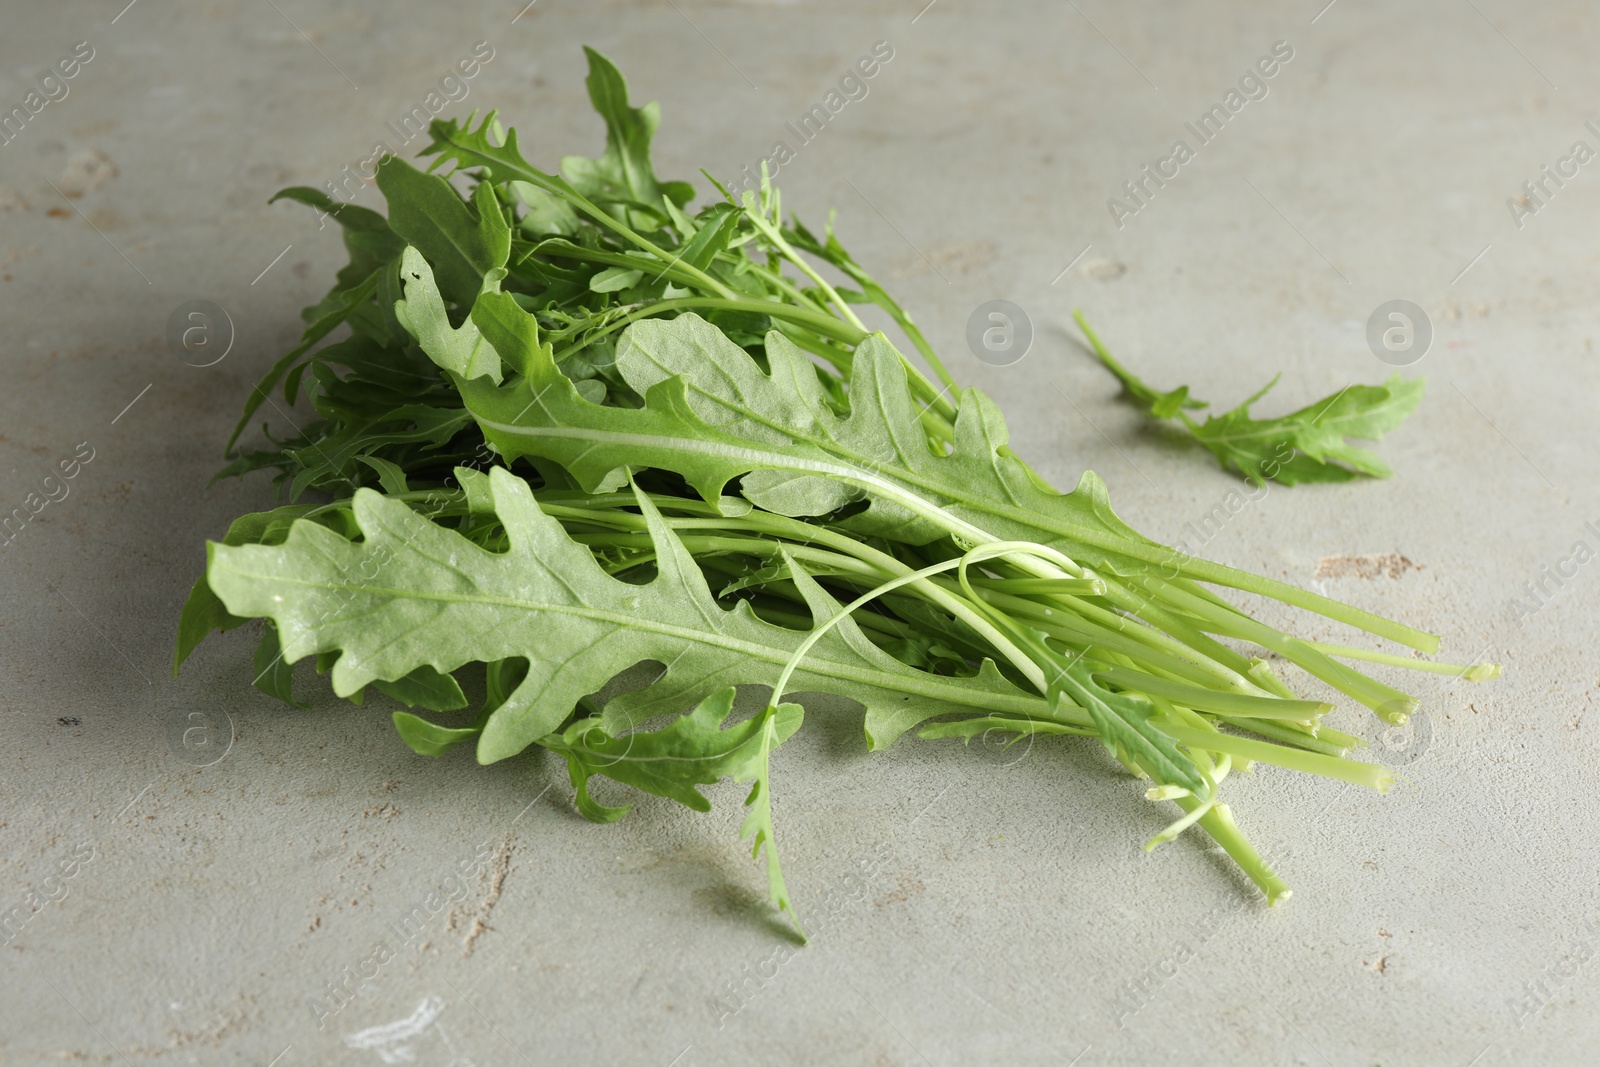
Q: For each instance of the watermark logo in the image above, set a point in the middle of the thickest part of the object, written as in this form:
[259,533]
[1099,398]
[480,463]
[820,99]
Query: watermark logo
[200,738]
[1000,747]
[1400,745]
[999,332]
[1399,333]
[199,333]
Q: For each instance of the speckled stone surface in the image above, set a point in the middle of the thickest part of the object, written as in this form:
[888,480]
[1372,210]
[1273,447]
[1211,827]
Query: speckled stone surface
[968,908]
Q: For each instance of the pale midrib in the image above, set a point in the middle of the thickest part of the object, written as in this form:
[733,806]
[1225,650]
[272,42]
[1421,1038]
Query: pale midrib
[917,684]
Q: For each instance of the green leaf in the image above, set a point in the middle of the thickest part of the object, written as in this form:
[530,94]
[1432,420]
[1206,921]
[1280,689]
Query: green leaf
[431,739]
[367,236]
[413,593]
[1126,729]
[718,224]
[1309,445]
[421,311]
[202,614]
[334,311]
[391,477]
[614,280]
[547,213]
[463,243]
[425,688]
[624,172]
[693,750]
[274,676]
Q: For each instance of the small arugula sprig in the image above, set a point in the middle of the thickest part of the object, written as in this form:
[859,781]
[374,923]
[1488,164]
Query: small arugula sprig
[1309,445]
[574,428]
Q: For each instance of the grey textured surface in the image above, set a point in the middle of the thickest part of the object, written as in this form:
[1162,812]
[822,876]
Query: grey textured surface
[1006,913]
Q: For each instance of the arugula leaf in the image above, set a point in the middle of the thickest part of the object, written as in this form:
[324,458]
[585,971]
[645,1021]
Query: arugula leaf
[274,676]
[461,350]
[430,739]
[413,593]
[332,313]
[1309,445]
[693,750]
[1318,434]
[425,688]
[463,243]
[623,174]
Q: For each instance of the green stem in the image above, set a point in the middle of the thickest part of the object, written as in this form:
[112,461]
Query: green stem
[823,324]
[1218,822]
[1474,672]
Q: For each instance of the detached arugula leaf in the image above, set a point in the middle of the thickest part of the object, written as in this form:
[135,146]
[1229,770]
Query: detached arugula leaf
[1317,434]
[1308,445]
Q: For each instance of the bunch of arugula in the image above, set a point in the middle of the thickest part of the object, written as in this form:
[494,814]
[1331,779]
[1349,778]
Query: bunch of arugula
[574,428]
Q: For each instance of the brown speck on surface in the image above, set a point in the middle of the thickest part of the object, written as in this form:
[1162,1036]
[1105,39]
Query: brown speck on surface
[1388,564]
[499,867]
[86,171]
[1103,270]
[478,927]
[58,213]
[962,257]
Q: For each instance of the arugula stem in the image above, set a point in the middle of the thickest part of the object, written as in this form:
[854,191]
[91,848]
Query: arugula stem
[823,324]
[1474,672]
[1371,775]
[1079,631]
[773,234]
[558,187]
[1218,822]
[1389,703]
[1203,699]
